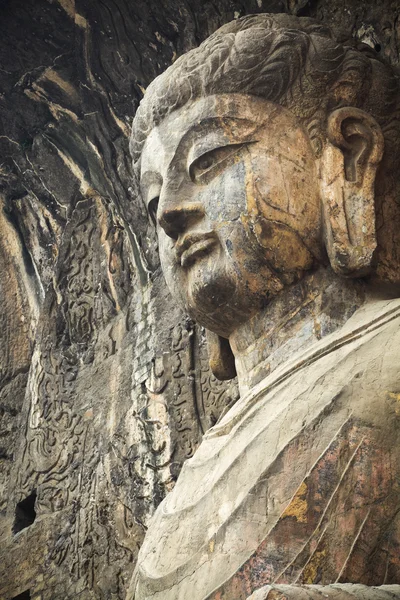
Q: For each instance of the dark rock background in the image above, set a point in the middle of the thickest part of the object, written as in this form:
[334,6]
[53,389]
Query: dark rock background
[104,385]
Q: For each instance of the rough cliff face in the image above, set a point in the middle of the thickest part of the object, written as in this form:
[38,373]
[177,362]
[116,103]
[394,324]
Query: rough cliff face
[105,388]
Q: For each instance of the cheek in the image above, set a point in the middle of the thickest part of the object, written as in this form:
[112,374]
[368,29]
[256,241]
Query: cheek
[285,190]
[224,198]
[165,248]
[172,274]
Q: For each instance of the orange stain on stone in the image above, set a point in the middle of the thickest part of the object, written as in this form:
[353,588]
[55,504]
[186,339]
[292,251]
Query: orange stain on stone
[298,506]
[313,567]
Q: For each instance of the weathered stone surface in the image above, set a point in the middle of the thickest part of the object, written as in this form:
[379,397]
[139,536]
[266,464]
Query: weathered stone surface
[119,390]
[105,388]
[336,591]
[268,161]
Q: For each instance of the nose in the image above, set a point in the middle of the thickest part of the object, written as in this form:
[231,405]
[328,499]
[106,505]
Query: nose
[175,215]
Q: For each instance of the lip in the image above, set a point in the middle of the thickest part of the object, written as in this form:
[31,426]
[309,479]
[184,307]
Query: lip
[194,245]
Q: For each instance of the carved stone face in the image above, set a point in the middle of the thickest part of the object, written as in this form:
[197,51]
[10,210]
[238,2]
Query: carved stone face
[232,182]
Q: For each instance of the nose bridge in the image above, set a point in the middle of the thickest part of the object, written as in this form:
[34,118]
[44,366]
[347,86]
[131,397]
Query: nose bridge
[177,207]
[171,193]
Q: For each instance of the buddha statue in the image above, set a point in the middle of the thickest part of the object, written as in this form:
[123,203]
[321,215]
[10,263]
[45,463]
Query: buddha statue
[267,160]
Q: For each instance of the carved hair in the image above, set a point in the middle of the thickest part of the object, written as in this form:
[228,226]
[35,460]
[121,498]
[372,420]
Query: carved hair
[295,62]
[301,65]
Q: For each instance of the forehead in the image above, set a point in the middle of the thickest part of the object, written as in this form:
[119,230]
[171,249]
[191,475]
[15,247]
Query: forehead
[230,116]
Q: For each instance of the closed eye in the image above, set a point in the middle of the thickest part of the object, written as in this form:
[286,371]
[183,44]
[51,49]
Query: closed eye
[210,164]
[152,208]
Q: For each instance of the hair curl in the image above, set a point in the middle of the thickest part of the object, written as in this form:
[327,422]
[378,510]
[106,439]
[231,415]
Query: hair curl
[295,62]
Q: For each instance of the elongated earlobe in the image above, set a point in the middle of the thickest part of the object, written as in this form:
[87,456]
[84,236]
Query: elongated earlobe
[348,170]
[221,359]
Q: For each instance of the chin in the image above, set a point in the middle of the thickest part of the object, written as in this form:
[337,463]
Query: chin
[210,300]
[210,289]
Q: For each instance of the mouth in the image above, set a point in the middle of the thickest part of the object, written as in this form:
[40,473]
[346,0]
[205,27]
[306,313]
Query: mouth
[193,246]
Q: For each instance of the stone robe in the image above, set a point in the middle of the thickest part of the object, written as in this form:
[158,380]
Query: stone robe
[298,483]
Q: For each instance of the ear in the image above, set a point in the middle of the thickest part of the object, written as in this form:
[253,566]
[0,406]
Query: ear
[348,169]
[221,359]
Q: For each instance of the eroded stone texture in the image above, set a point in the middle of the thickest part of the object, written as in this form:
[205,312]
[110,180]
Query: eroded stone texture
[338,591]
[117,395]
[269,167]
[116,381]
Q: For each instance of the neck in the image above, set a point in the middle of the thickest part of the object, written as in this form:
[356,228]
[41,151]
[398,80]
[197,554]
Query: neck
[305,313]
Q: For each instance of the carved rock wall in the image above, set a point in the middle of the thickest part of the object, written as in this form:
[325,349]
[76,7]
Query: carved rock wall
[105,388]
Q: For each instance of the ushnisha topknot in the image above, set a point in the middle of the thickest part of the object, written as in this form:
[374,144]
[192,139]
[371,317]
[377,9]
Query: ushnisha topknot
[283,59]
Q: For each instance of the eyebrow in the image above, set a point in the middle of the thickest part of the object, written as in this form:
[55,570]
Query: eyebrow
[217,124]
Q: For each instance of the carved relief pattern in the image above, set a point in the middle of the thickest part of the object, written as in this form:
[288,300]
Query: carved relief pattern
[61,458]
[183,404]
[112,410]
[214,396]
[159,422]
